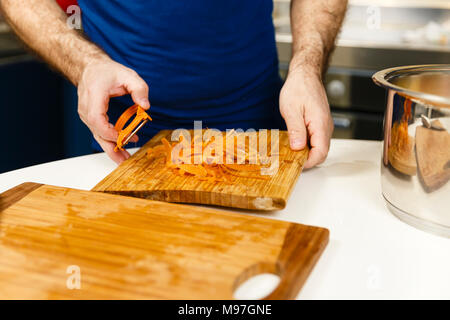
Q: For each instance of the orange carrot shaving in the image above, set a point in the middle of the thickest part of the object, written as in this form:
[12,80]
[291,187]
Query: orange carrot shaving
[193,169]
[212,167]
[243,167]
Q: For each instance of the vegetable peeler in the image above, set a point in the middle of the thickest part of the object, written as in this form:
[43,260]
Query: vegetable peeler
[135,125]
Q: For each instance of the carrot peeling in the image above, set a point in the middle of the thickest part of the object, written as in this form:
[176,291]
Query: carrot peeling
[209,169]
[125,133]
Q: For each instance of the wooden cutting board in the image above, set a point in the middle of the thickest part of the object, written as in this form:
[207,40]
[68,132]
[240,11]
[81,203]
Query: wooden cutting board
[142,178]
[128,248]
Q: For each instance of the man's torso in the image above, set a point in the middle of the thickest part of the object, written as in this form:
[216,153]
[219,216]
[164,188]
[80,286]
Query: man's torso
[203,60]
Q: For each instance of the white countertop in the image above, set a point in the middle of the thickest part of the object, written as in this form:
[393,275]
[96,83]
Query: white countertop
[371,254]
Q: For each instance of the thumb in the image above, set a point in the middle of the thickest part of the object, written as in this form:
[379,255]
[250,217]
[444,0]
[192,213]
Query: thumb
[296,129]
[138,89]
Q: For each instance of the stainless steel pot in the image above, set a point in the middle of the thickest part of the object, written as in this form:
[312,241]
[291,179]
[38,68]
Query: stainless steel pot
[415,169]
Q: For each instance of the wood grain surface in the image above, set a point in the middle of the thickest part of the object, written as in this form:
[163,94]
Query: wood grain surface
[129,248]
[140,177]
[433,157]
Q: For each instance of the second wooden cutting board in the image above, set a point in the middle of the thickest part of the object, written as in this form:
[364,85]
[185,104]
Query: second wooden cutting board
[140,177]
[60,243]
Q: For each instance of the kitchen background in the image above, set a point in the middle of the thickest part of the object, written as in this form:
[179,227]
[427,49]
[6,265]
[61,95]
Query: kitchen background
[39,120]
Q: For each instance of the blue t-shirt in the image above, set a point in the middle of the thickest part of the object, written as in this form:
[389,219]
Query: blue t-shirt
[210,60]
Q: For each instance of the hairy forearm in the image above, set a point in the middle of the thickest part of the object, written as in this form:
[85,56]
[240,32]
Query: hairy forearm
[315,25]
[42,26]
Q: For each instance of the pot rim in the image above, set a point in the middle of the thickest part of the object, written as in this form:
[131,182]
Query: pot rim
[382,78]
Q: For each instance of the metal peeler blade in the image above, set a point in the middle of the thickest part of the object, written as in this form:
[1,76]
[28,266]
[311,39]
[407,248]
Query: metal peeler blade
[134,131]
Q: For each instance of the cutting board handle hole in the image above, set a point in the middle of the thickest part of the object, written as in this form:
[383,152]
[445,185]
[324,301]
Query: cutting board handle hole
[257,282]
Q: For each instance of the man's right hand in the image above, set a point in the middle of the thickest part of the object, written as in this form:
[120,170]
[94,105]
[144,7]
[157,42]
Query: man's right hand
[100,80]
[42,25]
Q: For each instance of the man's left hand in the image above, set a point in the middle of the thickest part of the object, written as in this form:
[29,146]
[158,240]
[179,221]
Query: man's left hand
[304,106]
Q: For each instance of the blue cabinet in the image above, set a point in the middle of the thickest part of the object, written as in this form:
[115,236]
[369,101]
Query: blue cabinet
[39,121]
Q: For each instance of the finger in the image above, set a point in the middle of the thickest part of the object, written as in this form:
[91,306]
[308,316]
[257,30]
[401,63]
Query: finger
[138,90]
[296,128]
[320,145]
[97,119]
[107,146]
[134,138]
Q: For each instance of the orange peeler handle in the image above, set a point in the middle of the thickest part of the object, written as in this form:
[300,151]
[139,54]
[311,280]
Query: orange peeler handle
[125,133]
